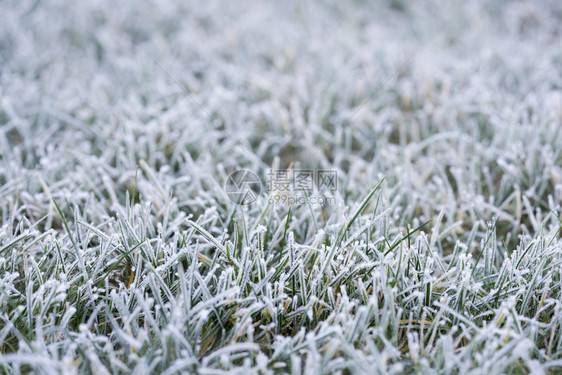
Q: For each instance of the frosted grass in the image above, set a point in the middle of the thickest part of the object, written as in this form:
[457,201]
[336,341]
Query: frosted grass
[120,251]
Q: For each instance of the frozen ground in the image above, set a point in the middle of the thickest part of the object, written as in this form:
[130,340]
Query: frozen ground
[451,265]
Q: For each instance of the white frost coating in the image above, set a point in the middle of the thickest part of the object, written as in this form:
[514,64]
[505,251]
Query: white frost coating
[178,279]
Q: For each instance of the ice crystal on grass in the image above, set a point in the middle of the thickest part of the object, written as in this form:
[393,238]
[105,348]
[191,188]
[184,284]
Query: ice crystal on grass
[121,252]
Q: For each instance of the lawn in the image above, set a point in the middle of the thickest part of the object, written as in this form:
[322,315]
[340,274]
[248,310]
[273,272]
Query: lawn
[290,187]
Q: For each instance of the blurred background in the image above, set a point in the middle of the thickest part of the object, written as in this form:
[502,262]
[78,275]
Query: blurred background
[458,104]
